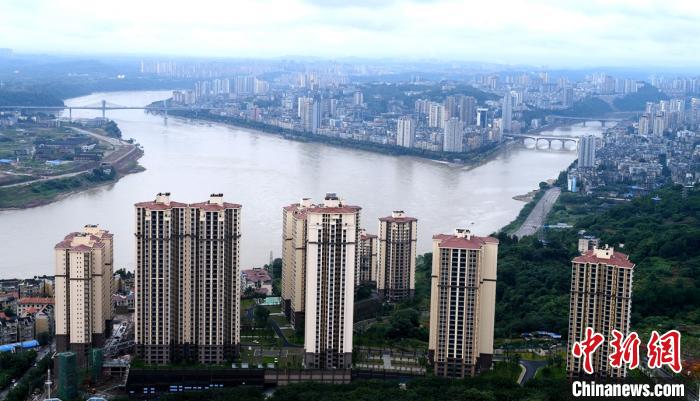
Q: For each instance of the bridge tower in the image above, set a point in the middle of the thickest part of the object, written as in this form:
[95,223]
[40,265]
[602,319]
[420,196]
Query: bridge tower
[104,108]
[165,111]
[70,115]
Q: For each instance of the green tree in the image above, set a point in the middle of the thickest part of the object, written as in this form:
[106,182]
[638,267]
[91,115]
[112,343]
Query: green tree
[112,129]
[261,315]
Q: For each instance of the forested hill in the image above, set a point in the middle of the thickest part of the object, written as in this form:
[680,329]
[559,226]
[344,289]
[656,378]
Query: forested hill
[28,98]
[661,234]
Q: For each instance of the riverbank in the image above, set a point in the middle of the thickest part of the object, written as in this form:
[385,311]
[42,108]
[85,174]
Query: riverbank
[473,158]
[45,192]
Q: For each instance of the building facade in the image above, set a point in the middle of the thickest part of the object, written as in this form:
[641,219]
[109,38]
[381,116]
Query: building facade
[332,235]
[83,291]
[187,280]
[293,281]
[462,303]
[454,136]
[601,298]
[396,261]
[507,113]
[367,267]
[405,132]
[586,151]
[467,110]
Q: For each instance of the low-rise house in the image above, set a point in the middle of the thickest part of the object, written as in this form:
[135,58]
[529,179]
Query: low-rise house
[257,279]
[37,303]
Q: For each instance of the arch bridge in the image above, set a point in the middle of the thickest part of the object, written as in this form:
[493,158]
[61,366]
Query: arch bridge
[545,141]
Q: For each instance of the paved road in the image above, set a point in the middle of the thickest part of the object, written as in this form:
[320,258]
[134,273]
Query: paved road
[535,219]
[531,367]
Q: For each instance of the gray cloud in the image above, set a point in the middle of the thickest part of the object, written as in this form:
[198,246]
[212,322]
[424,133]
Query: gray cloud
[552,32]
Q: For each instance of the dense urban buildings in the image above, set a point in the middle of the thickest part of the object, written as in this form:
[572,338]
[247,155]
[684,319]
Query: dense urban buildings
[601,298]
[333,230]
[187,280]
[462,303]
[367,266]
[396,260]
[293,280]
[83,291]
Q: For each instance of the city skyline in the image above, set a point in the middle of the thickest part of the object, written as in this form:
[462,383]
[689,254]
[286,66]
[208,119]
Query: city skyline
[548,33]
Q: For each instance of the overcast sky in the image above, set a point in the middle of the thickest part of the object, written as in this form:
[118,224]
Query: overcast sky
[555,33]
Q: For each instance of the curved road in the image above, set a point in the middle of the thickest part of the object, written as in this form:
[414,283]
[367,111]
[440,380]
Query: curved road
[531,368]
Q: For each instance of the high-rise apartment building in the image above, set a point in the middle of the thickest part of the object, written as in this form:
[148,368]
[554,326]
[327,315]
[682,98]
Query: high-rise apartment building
[405,131]
[332,235]
[507,113]
[396,261]
[482,117]
[422,106]
[451,107]
[436,115]
[293,280]
[695,110]
[644,124]
[454,136]
[83,291]
[586,151]
[367,266]
[462,303]
[467,110]
[601,298]
[309,111]
[187,280]
[659,125]
[244,85]
[358,99]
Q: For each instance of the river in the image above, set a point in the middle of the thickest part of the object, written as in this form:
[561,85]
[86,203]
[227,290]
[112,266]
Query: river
[264,172]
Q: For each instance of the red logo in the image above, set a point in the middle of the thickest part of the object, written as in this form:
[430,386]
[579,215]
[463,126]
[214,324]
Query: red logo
[586,347]
[665,350]
[624,350]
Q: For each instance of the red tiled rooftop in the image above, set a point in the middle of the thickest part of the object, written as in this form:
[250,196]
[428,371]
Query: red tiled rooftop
[256,275]
[474,242]
[616,259]
[338,209]
[213,207]
[36,300]
[160,206]
[67,244]
[210,207]
[392,219]
[293,206]
[297,210]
